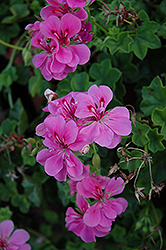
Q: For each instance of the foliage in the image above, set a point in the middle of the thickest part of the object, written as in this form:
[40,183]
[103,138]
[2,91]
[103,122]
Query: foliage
[130,59]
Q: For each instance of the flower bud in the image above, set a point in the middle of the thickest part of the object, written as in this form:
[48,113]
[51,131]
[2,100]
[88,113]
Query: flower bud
[85,149]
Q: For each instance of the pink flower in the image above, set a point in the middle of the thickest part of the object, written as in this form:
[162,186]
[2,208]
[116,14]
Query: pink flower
[33,28]
[59,57]
[13,241]
[106,128]
[84,35]
[61,138]
[58,10]
[73,184]
[105,210]
[75,222]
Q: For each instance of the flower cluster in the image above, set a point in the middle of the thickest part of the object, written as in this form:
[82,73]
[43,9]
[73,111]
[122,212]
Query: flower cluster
[96,220]
[75,121]
[59,36]
[13,241]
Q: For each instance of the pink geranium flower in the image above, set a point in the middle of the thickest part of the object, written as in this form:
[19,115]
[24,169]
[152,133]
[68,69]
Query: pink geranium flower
[105,209]
[59,10]
[59,57]
[76,224]
[61,138]
[106,128]
[13,241]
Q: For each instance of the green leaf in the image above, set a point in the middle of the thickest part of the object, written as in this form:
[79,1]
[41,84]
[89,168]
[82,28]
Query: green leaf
[123,61]
[5,213]
[8,76]
[140,132]
[155,141]
[159,118]
[118,233]
[80,82]
[37,85]
[162,31]
[28,159]
[145,36]
[21,202]
[19,11]
[19,113]
[6,33]
[154,96]
[8,126]
[32,190]
[64,193]
[122,43]
[104,74]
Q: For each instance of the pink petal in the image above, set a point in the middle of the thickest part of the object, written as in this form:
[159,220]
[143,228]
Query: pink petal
[85,105]
[87,234]
[82,51]
[81,14]
[75,60]
[70,24]
[56,124]
[61,175]
[114,187]
[6,227]
[50,10]
[54,164]
[76,3]
[92,215]
[19,237]
[106,135]
[36,40]
[115,141]
[43,155]
[101,95]
[82,203]
[80,142]
[39,59]
[55,3]
[70,132]
[92,132]
[64,55]
[120,126]
[74,165]
[25,247]
[57,67]
[45,72]
[51,27]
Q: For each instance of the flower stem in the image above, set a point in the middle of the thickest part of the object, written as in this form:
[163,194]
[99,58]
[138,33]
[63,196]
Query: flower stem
[10,45]
[99,26]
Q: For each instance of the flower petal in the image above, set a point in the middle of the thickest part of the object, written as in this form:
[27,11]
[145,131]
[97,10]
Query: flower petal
[53,164]
[70,24]
[6,227]
[19,237]
[82,51]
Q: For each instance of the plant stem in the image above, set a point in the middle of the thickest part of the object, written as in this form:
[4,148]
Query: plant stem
[99,26]
[10,45]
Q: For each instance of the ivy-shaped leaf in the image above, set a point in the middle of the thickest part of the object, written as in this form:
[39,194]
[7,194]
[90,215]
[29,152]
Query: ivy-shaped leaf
[145,36]
[122,42]
[37,85]
[159,118]
[123,61]
[82,78]
[140,132]
[8,76]
[155,141]
[18,113]
[154,96]
[104,74]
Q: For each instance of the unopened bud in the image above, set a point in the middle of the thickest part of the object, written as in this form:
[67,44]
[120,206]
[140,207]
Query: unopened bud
[50,95]
[96,160]
[85,149]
